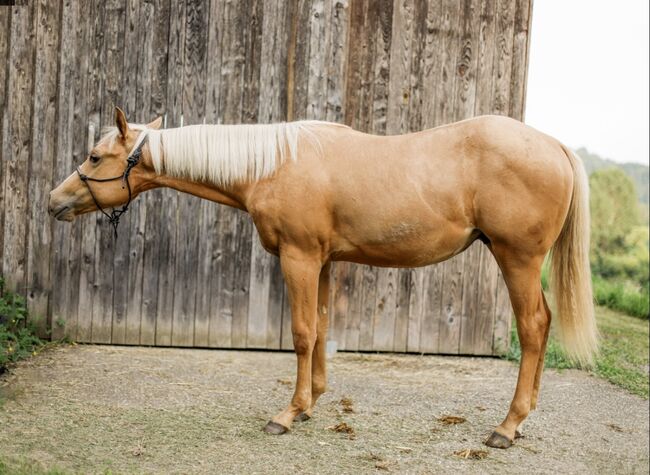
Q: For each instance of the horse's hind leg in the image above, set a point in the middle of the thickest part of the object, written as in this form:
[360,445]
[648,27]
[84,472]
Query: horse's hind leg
[318,359]
[540,363]
[522,275]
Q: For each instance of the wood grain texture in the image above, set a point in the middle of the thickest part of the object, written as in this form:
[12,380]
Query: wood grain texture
[5,46]
[43,154]
[16,143]
[388,66]
[169,202]
[63,318]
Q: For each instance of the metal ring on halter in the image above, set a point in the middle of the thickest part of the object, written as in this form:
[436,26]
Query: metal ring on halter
[132,160]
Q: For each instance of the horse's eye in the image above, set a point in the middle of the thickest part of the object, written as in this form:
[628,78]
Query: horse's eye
[94,159]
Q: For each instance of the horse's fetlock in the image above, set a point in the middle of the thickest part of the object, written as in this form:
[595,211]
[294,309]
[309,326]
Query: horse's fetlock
[521,408]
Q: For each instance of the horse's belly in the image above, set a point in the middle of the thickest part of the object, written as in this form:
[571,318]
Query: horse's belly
[408,249]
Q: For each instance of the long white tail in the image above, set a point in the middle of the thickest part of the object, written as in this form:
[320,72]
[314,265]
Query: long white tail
[570,278]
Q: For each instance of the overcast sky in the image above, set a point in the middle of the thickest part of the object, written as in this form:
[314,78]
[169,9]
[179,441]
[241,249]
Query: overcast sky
[588,76]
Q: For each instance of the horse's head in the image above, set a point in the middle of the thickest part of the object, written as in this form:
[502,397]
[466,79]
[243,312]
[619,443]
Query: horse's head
[111,175]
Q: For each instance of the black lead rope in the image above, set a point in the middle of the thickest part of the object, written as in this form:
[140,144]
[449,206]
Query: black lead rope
[132,160]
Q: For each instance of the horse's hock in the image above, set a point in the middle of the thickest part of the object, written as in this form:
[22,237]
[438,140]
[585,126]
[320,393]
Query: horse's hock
[185,272]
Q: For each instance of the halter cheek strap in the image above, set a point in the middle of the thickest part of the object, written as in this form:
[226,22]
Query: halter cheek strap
[132,160]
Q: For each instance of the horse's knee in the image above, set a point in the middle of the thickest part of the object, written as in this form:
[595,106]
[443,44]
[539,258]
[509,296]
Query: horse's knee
[303,341]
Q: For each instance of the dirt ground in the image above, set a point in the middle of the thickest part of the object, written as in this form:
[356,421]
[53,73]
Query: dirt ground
[93,409]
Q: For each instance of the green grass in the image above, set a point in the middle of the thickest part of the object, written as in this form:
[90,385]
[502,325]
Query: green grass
[18,467]
[619,296]
[624,351]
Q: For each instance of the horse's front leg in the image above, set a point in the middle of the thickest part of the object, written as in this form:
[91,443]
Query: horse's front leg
[318,361]
[301,273]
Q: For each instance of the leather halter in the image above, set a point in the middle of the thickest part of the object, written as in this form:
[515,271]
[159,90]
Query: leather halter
[131,161]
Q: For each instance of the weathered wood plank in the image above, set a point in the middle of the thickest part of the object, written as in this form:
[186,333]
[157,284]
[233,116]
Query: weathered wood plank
[154,261]
[298,57]
[17,142]
[338,44]
[416,299]
[502,318]
[354,288]
[503,58]
[64,321]
[432,309]
[5,45]
[169,202]
[317,61]
[39,243]
[400,341]
[386,310]
[486,306]
[401,59]
[520,51]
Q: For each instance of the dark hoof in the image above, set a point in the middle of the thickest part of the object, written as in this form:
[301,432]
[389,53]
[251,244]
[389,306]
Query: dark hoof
[275,428]
[302,417]
[498,441]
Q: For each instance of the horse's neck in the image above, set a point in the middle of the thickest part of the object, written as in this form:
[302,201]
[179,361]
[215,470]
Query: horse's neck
[234,195]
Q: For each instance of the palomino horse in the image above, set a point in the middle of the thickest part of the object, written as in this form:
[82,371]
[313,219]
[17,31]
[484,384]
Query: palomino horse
[321,192]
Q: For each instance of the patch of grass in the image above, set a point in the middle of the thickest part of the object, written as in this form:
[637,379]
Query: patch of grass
[18,338]
[624,351]
[615,294]
[623,297]
[22,467]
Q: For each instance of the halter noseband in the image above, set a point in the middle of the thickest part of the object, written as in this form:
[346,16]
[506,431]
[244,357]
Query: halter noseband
[131,161]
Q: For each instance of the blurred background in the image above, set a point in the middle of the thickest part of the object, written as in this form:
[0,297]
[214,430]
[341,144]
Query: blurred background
[588,86]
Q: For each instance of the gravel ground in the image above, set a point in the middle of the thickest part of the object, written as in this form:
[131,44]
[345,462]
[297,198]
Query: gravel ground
[93,409]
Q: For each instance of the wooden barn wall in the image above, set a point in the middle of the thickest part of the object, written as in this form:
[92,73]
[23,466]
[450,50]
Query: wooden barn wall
[186,272]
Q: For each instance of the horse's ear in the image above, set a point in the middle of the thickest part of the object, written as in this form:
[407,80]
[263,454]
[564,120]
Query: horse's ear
[155,124]
[121,123]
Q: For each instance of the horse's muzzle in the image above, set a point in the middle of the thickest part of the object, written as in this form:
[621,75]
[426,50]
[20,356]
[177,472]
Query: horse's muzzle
[60,211]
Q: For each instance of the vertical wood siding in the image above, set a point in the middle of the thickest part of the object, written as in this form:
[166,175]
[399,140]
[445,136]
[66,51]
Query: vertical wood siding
[186,272]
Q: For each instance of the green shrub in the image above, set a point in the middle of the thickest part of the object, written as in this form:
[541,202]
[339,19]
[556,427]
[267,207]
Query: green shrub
[17,337]
[622,296]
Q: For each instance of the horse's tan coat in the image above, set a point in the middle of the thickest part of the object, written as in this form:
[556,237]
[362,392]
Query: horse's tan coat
[398,201]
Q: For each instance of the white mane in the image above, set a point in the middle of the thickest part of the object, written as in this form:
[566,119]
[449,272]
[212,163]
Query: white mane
[224,154]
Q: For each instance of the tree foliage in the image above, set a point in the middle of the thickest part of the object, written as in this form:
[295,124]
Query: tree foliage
[614,210]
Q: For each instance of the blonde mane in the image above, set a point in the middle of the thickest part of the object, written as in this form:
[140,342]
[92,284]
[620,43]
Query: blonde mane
[224,154]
